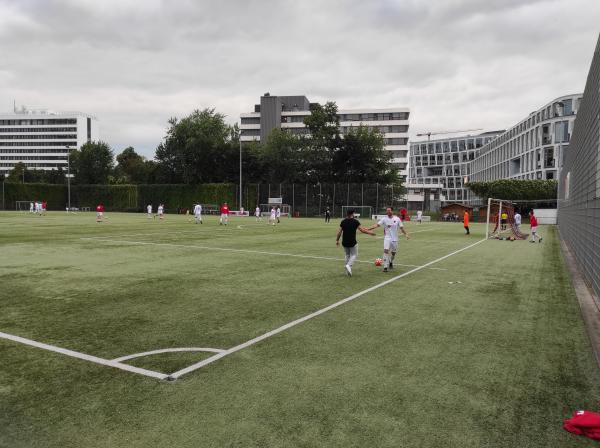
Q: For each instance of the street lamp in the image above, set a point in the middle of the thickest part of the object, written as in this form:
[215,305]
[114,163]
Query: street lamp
[69,178]
[240,139]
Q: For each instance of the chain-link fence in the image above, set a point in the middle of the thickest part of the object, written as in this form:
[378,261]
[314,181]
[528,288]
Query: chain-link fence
[579,186]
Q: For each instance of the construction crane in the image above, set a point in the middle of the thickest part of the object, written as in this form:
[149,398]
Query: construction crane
[429,134]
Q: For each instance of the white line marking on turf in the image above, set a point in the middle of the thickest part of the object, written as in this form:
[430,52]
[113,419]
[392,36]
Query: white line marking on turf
[229,249]
[85,357]
[289,325]
[168,350]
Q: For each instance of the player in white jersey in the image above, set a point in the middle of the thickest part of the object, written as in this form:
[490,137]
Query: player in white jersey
[273,217]
[278,214]
[257,213]
[149,211]
[198,213]
[31,207]
[419,216]
[390,224]
[161,211]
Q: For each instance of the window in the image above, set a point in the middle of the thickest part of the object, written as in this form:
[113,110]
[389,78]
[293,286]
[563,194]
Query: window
[568,107]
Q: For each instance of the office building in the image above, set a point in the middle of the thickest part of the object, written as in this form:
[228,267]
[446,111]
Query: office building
[289,112]
[41,138]
[532,148]
[440,166]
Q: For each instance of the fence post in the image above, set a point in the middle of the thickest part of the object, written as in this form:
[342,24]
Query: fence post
[293,200]
[333,205]
[362,194]
[269,190]
[306,200]
[377,198]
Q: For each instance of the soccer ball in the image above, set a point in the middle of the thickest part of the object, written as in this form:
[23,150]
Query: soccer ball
[378,261]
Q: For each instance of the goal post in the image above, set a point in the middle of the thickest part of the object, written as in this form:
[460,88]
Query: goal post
[23,206]
[366,211]
[501,222]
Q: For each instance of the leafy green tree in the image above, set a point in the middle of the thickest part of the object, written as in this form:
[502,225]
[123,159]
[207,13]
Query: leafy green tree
[92,164]
[320,148]
[362,158]
[516,189]
[281,157]
[197,149]
[132,167]
[18,173]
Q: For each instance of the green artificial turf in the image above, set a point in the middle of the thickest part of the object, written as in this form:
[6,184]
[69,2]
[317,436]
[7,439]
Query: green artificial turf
[486,350]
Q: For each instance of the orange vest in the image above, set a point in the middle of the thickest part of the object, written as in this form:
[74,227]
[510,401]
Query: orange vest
[466,219]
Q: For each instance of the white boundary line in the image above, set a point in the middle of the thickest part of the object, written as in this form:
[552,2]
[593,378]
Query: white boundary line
[167,350]
[289,325]
[85,357]
[229,249]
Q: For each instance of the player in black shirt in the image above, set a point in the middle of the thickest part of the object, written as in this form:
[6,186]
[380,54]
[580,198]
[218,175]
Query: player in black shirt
[347,231]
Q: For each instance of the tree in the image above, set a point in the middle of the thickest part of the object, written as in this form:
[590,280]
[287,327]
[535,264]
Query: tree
[516,189]
[198,149]
[18,173]
[324,141]
[92,164]
[132,167]
[362,158]
[281,157]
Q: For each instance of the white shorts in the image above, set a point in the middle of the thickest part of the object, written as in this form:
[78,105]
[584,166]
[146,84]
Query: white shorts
[99,214]
[224,216]
[390,245]
[198,216]
[534,230]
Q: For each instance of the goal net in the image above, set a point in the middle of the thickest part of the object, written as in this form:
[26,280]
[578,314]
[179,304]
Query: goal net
[364,211]
[504,220]
[24,206]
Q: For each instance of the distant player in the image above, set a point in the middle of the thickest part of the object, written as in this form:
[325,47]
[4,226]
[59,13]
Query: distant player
[327,216]
[31,207]
[224,220]
[278,214]
[419,216]
[99,213]
[534,225]
[161,211]
[149,211]
[503,220]
[347,231]
[198,214]
[43,207]
[466,222]
[403,214]
[257,213]
[273,218]
[518,220]
[390,224]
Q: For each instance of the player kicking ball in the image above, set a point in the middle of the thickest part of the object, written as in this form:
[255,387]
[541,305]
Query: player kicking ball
[390,224]
[347,231]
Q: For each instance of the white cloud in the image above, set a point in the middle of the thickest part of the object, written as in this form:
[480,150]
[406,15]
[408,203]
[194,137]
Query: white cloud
[455,63]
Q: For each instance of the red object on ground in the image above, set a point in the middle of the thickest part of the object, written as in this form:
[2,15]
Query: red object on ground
[584,423]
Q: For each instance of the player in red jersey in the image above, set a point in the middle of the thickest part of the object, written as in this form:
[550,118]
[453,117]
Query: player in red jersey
[99,212]
[534,224]
[224,214]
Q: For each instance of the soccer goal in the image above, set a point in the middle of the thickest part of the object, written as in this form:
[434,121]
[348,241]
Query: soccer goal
[23,206]
[501,222]
[366,211]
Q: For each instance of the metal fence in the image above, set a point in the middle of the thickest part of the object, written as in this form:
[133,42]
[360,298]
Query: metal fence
[314,199]
[579,186]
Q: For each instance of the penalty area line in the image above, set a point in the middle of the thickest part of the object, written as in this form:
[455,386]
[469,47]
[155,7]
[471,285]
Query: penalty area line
[85,357]
[237,348]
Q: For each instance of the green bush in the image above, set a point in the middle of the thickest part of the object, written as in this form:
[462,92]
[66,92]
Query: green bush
[516,190]
[54,195]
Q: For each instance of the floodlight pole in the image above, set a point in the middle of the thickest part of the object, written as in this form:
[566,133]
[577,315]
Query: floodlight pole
[240,139]
[69,179]
[487,221]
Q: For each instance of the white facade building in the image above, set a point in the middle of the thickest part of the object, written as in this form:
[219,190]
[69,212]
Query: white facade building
[42,139]
[533,148]
[289,112]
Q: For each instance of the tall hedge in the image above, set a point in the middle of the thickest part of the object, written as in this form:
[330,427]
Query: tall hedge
[516,190]
[54,195]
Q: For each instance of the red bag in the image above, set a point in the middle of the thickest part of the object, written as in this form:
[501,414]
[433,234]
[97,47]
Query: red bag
[584,423]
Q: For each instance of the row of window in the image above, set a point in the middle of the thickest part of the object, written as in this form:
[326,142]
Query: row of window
[444,159]
[35,151]
[13,130]
[17,158]
[32,165]
[395,141]
[34,122]
[37,137]
[72,144]
[382,129]
[375,116]
[449,146]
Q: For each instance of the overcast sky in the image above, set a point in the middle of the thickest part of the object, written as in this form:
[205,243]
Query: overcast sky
[457,64]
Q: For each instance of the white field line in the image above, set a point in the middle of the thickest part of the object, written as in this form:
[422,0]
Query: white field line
[85,357]
[289,325]
[228,249]
[167,350]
